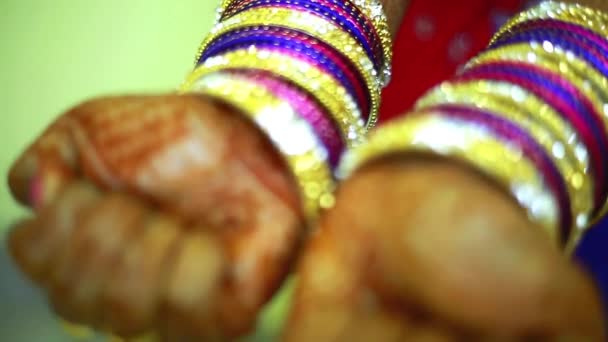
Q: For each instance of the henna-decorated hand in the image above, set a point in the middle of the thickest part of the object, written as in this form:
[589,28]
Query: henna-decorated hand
[422,250]
[169,214]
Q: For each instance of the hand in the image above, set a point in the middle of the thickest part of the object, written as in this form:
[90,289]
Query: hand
[426,250]
[164,214]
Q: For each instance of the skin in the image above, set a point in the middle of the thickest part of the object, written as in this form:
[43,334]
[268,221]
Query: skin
[201,237]
[182,224]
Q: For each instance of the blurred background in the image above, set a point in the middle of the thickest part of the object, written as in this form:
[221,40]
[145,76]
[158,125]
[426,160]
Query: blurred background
[58,53]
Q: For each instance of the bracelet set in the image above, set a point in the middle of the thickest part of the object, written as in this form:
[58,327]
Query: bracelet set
[307,72]
[531,111]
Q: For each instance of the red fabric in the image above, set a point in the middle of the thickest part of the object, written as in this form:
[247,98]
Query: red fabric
[438,36]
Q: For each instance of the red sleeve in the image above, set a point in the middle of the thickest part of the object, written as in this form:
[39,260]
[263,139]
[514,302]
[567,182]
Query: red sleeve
[437,36]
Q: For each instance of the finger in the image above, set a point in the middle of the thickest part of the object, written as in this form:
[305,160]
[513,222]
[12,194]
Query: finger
[192,288]
[332,302]
[19,242]
[46,166]
[131,296]
[35,244]
[101,236]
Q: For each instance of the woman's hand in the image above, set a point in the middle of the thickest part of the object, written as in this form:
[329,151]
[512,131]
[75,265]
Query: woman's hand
[163,214]
[423,250]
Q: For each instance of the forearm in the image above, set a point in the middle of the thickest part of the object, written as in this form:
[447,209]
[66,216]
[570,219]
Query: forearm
[395,9]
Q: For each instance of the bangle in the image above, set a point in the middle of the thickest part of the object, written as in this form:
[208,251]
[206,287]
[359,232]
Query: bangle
[476,94]
[293,136]
[353,23]
[372,11]
[299,45]
[570,13]
[586,79]
[431,132]
[524,103]
[580,47]
[561,96]
[329,93]
[326,129]
[315,27]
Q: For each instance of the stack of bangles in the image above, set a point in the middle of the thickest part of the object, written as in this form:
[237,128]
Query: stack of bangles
[307,72]
[531,112]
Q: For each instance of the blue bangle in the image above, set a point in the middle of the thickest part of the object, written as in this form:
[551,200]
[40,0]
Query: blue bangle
[374,51]
[576,46]
[264,37]
[512,133]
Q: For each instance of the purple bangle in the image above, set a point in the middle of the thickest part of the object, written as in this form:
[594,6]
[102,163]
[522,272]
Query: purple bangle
[537,81]
[510,132]
[311,111]
[344,20]
[578,46]
[566,28]
[300,46]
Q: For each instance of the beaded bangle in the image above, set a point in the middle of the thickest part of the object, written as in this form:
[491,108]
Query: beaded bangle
[305,48]
[575,108]
[516,101]
[372,11]
[570,13]
[559,27]
[327,130]
[317,28]
[571,169]
[329,93]
[356,26]
[577,45]
[576,71]
[292,135]
[432,132]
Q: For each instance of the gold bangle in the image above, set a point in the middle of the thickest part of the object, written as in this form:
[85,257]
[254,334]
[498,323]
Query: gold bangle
[590,18]
[588,80]
[374,11]
[316,27]
[292,135]
[578,72]
[468,142]
[330,93]
[482,94]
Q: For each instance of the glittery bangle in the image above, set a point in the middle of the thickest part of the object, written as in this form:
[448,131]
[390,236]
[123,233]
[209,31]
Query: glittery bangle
[513,135]
[317,28]
[572,108]
[297,45]
[305,106]
[524,102]
[577,71]
[291,135]
[336,15]
[374,10]
[476,94]
[330,94]
[468,142]
[571,13]
[371,9]
[562,27]
[550,40]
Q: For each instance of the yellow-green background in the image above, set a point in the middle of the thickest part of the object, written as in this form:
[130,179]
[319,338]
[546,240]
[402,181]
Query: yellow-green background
[56,53]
